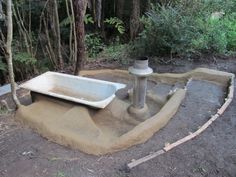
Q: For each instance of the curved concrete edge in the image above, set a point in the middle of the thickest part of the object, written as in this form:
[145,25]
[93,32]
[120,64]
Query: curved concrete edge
[187,138]
[55,135]
[151,125]
[219,77]
[133,137]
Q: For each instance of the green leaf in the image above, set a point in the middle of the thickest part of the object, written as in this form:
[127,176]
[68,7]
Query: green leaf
[116,23]
[88,19]
[66,21]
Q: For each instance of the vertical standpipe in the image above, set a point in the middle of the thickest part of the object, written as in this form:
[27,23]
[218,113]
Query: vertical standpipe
[141,71]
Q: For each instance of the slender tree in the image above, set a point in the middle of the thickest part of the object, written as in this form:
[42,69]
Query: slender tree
[9,52]
[58,35]
[134,19]
[79,12]
[1,11]
[120,9]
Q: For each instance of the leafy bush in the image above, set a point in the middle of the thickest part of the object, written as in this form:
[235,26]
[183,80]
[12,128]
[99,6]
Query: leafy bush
[116,52]
[24,58]
[44,65]
[94,44]
[185,29]
[166,32]
[211,37]
[24,64]
[230,26]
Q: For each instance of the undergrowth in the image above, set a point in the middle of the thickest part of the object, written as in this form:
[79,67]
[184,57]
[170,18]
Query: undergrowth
[186,30]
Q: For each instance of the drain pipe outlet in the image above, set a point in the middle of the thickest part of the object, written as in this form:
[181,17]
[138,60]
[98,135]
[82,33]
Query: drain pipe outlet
[141,71]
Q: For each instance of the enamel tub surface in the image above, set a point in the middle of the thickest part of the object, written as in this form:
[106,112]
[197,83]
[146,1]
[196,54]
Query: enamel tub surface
[92,92]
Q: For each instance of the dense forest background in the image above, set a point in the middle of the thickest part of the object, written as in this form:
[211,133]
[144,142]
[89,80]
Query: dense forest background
[46,32]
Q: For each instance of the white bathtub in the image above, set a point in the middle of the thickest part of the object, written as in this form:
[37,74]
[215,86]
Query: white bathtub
[92,92]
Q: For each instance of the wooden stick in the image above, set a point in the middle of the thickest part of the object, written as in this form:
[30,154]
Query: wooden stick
[192,135]
[205,126]
[231,88]
[225,105]
[144,159]
[231,92]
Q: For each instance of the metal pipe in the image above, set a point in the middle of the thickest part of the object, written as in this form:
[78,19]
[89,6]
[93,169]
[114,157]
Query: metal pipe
[141,71]
[139,94]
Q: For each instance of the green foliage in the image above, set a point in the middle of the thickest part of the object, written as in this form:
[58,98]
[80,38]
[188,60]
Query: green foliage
[3,66]
[88,19]
[116,52]
[185,30]
[3,110]
[94,44]
[116,23]
[24,64]
[166,32]
[66,21]
[230,26]
[212,38]
[60,174]
[24,58]
[44,65]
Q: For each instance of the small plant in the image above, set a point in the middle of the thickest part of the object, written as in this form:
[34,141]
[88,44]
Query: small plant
[116,52]
[24,58]
[60,174]
[66,21]
[3,110]
[44,65]
[94,44]
[88,19]
[24,64]
[116,23]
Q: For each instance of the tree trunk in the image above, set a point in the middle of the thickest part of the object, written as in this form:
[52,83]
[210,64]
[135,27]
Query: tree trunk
[134,19]
[9,52]
[120,9]
[75,48]
[71,31]
[99,12]
[148,6]
[58,35]
[103,33]
[2,16]
[79,11]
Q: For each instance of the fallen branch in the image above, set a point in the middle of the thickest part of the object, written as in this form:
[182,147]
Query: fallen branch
[63,159]
[134,163]
[192,135]
[225,105]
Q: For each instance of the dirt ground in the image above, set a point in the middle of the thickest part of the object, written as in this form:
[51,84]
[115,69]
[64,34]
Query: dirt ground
[24,153]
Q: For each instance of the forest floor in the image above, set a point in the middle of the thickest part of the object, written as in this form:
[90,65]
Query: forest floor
[24,153]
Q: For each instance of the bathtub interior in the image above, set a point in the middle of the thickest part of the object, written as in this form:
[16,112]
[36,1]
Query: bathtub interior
[75,88]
